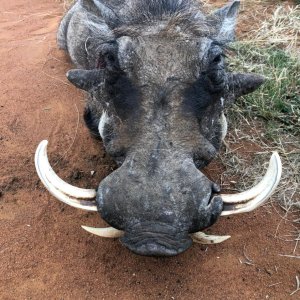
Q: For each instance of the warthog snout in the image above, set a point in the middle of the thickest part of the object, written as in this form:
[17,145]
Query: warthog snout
[188,197]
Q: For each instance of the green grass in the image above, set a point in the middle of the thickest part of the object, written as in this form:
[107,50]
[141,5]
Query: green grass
[278,100]
[273,111]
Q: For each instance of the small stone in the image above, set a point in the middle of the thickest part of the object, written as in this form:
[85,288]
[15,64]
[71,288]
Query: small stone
[269,271]
[93,173]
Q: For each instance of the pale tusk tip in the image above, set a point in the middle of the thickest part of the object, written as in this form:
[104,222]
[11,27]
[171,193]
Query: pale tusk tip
[44,143]
[205,239]
[86,228]
[89,229]
[108,232]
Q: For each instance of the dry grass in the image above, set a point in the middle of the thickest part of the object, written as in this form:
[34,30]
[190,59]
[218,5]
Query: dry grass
[246,157]
[66,3]
[277,104]
[270,117]
[281,31]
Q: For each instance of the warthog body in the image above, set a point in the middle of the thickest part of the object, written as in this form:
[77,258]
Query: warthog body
[157,87]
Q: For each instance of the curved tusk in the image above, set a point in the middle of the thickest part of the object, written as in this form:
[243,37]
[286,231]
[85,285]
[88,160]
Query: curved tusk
[202,238]
[253,198]
[109,232]
[274,171]
[61,190]
[68,189]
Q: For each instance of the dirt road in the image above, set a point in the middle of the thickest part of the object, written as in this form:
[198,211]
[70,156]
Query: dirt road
[43,251]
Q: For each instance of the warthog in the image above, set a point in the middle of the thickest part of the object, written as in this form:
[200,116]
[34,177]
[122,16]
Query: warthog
[157,87]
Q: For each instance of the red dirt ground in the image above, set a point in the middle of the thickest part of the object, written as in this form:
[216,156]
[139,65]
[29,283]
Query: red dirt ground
[43,251]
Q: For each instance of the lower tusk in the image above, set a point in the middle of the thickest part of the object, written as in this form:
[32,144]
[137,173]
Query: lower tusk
[198,237]
[109,232]
[260,194]
[202,238]
[61,190]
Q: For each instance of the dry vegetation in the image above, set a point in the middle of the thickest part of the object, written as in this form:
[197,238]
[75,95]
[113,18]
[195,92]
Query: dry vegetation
[273,50]
[67,3]
[270,117]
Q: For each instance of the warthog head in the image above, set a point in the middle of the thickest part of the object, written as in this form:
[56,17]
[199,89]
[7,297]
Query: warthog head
[157,86]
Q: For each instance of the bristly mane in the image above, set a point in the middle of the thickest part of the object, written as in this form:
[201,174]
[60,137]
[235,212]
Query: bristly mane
[186,14]
[143,11]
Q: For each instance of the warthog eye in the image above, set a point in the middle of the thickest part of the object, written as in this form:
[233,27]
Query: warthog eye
[110,57]
[218,59]
[107,57]
[215,71]
[101,63]
[106,60]
[216,55]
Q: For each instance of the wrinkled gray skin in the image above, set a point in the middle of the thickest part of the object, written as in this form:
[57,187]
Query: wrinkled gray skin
[156,68]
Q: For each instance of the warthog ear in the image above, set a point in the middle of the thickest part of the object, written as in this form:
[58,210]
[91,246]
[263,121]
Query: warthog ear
[86,79]
[241,84]
[101,8]
[226,18]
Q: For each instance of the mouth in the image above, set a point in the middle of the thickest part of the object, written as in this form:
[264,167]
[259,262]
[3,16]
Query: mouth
[156,239]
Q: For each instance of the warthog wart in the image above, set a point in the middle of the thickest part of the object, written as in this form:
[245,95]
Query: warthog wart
[157,87]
